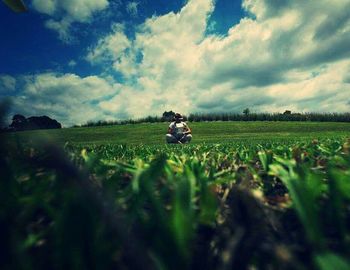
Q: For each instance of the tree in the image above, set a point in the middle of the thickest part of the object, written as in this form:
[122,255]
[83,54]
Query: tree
[246,111]
[19,122]
[168,116]
[43,122]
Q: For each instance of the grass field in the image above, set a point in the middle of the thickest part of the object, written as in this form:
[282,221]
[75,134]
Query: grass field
[256,195]
[209,132]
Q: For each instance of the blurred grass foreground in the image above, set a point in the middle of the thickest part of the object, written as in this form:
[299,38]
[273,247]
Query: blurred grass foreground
[203,206]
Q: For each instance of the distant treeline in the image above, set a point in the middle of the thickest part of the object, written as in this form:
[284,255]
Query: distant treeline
[20,123]
[148,119]
[201,117]
[313,117]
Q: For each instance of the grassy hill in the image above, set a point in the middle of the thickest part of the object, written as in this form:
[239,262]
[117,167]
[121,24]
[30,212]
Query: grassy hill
[211,132]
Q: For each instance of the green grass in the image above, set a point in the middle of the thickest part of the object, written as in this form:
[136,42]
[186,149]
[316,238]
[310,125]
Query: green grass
[264,205]
[209,132]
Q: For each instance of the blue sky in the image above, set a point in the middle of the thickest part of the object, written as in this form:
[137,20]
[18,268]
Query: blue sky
[83,60]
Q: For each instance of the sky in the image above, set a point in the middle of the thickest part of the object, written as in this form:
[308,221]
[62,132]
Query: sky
[87,60]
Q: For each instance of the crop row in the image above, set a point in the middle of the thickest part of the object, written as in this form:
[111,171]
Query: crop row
[269,205]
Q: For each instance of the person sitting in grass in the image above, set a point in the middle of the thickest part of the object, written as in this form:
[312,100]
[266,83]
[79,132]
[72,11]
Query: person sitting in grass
[178,131]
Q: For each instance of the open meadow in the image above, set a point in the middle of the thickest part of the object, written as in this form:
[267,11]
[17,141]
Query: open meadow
[203,132]
[257,195]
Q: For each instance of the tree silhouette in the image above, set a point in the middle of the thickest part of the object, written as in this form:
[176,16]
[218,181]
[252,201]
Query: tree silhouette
[246,111]
[18,122]
[168,116]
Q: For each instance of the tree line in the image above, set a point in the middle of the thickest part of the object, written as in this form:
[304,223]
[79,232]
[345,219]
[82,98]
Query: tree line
[246,115]
[21,123]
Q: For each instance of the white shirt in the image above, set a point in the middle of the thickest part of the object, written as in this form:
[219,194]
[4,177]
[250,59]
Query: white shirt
[178,128]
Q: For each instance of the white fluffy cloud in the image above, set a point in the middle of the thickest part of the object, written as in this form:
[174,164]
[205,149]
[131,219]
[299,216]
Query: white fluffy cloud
[77,10]
[66,12]
[112,47]
[66,97]
[285,55]
[162,59]
[132,8]
[7,84]
[62,27]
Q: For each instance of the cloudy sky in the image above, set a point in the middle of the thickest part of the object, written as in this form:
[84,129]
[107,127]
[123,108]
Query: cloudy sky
[82,60]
